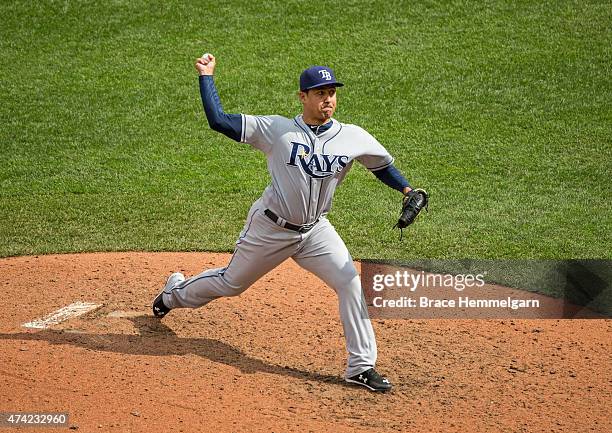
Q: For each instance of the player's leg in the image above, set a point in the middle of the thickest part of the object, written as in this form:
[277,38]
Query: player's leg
[323,253]
[261,247]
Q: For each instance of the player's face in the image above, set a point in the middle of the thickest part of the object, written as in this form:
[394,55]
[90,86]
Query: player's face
[319,104]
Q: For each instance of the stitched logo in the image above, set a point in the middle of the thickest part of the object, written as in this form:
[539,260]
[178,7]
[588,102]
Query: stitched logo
[325,75]
[315,165]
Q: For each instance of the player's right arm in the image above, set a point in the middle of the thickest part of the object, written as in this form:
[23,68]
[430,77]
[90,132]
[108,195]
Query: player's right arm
[218,120]
[258,131]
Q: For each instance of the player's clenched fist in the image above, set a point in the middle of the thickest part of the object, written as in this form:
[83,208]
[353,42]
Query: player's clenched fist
[206,64]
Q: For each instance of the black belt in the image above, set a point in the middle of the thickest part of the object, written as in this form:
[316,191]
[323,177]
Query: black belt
[286,224]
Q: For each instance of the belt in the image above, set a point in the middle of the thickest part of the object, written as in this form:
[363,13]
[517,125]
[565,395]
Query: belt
[286,224]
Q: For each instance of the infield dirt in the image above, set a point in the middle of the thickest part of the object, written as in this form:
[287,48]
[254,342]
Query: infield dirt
[272,359]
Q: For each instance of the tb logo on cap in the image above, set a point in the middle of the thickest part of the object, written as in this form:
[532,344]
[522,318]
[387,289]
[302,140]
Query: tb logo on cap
[325,74]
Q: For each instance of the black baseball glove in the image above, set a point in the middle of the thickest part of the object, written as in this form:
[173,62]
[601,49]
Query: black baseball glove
[412,203]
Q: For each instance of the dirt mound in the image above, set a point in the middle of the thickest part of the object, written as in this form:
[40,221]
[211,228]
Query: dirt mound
[272,359]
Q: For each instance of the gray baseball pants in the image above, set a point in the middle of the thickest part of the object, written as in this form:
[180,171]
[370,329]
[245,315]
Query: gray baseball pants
[261,247]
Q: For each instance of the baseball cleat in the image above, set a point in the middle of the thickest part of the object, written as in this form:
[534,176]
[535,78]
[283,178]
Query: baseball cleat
[371,380]
[159,308]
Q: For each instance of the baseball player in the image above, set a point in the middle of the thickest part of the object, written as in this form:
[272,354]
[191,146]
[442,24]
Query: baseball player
[308,157]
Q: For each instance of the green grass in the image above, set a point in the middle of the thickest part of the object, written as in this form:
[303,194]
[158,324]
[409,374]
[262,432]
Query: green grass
[501,110]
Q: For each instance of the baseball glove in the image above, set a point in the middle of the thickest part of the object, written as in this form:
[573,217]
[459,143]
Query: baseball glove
[412,203]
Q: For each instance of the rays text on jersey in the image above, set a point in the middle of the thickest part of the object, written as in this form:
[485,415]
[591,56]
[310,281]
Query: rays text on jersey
[316,165]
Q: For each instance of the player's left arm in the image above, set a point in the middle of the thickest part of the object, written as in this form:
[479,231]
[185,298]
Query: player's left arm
[393,178]
[414,200]
[378,160]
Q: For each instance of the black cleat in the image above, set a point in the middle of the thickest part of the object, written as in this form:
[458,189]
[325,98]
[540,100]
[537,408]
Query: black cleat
[159,309]
[371,380]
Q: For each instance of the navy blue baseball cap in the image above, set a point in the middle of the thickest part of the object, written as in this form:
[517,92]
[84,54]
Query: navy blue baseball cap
[318,76]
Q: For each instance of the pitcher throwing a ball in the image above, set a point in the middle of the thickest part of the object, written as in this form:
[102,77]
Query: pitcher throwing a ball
[308,157]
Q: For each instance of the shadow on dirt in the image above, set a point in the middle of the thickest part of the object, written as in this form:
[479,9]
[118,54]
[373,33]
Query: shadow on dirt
[157,339]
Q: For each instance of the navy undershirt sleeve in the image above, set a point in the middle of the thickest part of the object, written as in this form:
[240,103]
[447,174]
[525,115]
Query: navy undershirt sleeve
[391,176]
[228,124]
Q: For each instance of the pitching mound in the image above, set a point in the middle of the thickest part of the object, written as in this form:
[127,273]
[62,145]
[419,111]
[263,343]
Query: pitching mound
[272,359]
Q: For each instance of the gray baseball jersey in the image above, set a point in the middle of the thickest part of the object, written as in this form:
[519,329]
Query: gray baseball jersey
[306,168]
